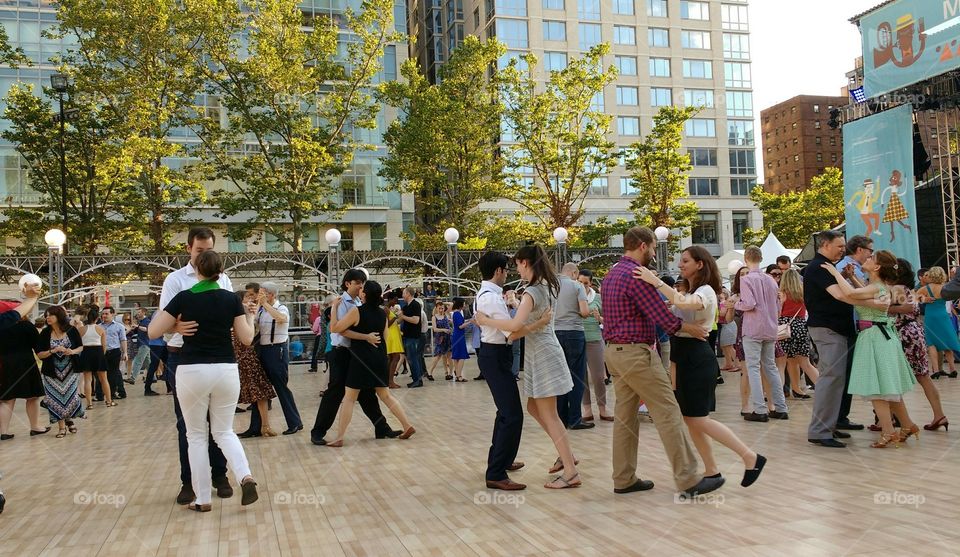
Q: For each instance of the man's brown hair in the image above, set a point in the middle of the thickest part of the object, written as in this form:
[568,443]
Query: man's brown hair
[636,236]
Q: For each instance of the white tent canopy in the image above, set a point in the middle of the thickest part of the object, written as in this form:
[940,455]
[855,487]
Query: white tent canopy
[771,248]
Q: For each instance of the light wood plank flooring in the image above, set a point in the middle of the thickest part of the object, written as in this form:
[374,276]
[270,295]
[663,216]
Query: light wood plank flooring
[110,489]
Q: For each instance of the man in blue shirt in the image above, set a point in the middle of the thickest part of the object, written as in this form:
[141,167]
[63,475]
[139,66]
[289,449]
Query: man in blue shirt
[858,249]
[116,350]
[142,342]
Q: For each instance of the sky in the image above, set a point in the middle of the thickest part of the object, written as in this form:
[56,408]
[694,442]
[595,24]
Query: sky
[800,47]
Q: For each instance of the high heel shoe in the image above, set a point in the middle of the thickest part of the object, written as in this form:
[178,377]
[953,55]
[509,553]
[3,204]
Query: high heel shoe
[952,374]
[905,434]
[268,432]
[795,394]
[937,424]
[937,375]
[885,441]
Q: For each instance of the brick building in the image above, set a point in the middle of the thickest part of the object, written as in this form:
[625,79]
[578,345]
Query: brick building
[798,143]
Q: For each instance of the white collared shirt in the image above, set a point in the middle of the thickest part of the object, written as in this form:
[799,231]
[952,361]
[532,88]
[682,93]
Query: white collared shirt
[490,301]
[347,303]
[178,281]
[272,332]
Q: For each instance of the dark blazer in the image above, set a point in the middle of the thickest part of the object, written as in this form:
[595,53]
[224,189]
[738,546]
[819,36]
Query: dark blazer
[43,345]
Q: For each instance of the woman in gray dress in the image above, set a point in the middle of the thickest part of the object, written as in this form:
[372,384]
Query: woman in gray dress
[545,371]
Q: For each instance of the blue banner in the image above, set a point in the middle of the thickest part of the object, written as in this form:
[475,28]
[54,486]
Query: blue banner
[908,41]
[878,184]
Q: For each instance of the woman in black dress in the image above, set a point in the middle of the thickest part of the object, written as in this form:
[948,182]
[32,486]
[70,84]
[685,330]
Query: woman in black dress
[366,327]
[20,376]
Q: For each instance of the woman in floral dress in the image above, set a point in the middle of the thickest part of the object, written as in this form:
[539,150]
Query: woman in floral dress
[255,388]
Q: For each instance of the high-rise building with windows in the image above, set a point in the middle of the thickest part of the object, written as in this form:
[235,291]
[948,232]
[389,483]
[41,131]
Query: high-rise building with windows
[375,219]
[668,52]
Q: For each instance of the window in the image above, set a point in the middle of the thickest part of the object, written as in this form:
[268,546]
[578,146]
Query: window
[833,157]
[626,187]
[512,32]
[476,18]
[627,96]
[554,61]
[736,46]
[703,186]
[623,7]
[702,157]
[517,55]
[658,37]
[698,97]
[346,237]
[741,222]
[624,34]
[588,9]
[695,39]
[660,96]
[553,4]
[596,102]
[740,104]
[353,193]
[742,186]
[657,8]
[589,35]
[598,187]
[378,237]
[793,126]
[694,10]
[736,74]
[742,161]
[628,125]
[733,17]
[833,141]
[816,124]
[626,65]
[274,244]
[704,231]
[700,127]
[235,244]
[816,109]
[510,7]
[659,67]
[554,31]
[817,140]
[701,69]
[311,238]
[819,157]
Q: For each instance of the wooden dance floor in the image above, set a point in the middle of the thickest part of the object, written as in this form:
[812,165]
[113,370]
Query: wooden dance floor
[110,489]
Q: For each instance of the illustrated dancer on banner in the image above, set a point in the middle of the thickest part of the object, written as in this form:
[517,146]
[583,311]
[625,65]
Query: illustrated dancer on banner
[864,200]
[895,211]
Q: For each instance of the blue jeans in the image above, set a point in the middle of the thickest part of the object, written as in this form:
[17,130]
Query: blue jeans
[411,350]
[574,345]
[275,360]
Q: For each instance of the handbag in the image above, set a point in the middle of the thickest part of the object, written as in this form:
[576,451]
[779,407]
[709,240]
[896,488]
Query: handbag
[783,330]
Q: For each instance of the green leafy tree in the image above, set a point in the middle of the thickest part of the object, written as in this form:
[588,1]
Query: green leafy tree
[659,168]
[97,200]
[10,56]
[560,135]
[795,216]
[135,59]
[442,147]
[295,109]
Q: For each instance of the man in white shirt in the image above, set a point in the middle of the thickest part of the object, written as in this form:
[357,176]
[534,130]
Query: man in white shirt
[199,240]
[273,320]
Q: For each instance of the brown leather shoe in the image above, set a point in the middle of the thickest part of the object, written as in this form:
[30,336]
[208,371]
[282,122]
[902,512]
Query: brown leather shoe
[515,466]
[406,434]
[506,485]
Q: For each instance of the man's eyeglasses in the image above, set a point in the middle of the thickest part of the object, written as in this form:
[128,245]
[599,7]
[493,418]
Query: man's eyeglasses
[776,274]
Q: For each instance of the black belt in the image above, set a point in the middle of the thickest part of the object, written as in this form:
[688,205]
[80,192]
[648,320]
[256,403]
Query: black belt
[882,327]
[274,344]
[494,345]
[174,349]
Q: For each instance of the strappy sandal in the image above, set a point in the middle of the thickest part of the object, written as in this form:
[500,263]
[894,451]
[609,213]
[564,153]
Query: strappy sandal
[462,380]
[567,484]
[89,407]
[268,432]
[62,433]
[111,404]
[558,465]
[71,427]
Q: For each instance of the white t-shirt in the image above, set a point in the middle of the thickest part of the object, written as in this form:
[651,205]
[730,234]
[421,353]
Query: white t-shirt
[705,316]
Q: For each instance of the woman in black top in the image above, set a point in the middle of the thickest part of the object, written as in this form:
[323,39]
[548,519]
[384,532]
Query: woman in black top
[208,379]
[59,347]
[366,327]
[19,376]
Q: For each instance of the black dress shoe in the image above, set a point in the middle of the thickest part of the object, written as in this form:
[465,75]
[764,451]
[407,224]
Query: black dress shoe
[151,393]
[6,436]
[841,435]
[831,443]
[391,434]
[3,501]
[639,485]
[248,434]
[479,378]
[292,430]
[415,384]
[779,415]
[584,425]
[754,417]
[706,485]
[849,426]
[34,433]
[186,495]
[321,441]
[223,487]
[239,410]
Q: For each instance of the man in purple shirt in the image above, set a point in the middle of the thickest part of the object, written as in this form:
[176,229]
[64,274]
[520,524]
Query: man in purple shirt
[760,305]
[631,309]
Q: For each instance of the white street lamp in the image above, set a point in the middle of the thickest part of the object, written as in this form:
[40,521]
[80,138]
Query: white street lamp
[560,234]
[333,257]
[451,235]
[55,238]
[333,236]
[662,233]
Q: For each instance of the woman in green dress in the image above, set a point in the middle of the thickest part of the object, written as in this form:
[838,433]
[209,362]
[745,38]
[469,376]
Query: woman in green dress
[881,373]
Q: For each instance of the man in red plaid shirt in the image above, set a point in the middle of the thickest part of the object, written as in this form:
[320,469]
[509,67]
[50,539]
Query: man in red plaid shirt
[631,309]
